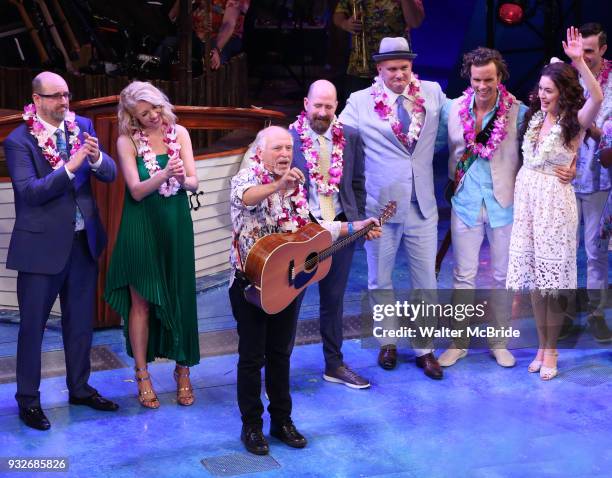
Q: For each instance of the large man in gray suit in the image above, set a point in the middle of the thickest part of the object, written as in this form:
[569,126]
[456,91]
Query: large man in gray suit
[320,143]
[397,118]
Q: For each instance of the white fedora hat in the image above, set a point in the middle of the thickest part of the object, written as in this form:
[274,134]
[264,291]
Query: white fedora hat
[394,48]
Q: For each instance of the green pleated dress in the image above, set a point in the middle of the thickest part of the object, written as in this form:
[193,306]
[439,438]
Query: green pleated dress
[154,254]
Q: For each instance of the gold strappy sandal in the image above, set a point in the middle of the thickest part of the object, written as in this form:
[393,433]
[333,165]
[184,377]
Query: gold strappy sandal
[184,395]
[147,398]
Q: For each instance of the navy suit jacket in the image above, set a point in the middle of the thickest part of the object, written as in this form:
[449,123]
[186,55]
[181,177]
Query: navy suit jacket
[45,204]
[352,185]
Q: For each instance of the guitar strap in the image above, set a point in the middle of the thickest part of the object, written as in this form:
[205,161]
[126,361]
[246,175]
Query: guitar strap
[239,276]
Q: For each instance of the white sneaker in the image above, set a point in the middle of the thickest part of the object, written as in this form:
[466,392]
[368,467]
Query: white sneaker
[503,357]
[450,356]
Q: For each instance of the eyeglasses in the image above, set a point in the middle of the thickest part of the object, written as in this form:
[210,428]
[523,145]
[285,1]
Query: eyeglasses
[56,96]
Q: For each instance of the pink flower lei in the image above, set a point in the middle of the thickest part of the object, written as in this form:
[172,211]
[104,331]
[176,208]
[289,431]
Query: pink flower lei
[44,139]
[288,220]
[385,110]
[302,126]
[170,187]
[604,73]
[500,123]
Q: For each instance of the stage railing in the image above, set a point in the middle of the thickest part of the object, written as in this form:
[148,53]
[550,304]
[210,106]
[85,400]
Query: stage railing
[209,205]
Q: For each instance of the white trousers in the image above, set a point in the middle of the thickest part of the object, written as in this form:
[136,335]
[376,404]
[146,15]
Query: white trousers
[467,242]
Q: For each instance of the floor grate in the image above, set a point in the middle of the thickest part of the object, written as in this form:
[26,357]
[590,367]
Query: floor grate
[239,464]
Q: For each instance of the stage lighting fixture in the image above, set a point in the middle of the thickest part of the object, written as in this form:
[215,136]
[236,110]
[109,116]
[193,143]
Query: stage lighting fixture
[511,12]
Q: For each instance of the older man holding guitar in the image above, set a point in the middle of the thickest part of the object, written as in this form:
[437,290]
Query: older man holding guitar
[267,200]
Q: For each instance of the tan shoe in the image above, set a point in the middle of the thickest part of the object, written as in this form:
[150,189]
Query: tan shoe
[450,356]
[503,357]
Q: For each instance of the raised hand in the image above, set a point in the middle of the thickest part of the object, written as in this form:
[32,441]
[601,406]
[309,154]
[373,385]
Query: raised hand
[573,46]
[291,179]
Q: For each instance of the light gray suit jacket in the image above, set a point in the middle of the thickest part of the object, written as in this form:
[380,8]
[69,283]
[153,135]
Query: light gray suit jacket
[389,166]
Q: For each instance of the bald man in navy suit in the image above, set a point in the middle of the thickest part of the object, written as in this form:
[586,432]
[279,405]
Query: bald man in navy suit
[56,241]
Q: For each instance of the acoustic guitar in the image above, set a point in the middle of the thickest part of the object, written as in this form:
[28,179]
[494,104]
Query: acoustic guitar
[279,266]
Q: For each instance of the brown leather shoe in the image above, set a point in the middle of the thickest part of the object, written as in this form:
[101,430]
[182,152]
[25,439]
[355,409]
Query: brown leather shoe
[430,366]
[387,357]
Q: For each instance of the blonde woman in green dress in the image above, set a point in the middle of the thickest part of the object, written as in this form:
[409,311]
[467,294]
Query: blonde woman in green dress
[151,279]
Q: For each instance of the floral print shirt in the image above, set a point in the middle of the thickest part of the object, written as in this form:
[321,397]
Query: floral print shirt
[254,222]
[606,217]
[591,177]
[382,18]
[203,23]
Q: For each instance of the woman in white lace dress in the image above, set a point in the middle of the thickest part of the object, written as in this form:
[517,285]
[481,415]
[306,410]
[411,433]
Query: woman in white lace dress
[543,244]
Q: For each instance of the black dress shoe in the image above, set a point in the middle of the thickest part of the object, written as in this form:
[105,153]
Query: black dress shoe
[387,357]
[430,366]
[254,440]
[288,434]
[95,401]
[34,417]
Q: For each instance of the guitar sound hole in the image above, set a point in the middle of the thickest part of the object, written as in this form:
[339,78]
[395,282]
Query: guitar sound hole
[312,261]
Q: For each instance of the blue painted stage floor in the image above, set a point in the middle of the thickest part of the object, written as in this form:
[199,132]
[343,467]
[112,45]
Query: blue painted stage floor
[479,421]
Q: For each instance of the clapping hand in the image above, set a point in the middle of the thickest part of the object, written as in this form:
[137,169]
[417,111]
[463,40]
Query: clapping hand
[573,46]
[93,150]
[175,169]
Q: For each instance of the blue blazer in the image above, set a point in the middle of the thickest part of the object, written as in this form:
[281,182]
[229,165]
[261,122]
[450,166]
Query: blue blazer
[45,204]
[352,184]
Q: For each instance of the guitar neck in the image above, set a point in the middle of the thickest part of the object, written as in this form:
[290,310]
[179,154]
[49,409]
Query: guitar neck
[345,241]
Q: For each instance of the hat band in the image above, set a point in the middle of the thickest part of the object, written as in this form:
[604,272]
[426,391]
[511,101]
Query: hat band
[396,52]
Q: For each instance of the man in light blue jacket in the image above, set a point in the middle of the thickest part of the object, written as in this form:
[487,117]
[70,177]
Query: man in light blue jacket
[397,118]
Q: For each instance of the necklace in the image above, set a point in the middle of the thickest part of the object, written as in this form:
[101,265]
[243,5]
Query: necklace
[302,126]
[535,154]
[170,187]
[290,218]
[385,112]
[499,132]
[43,138]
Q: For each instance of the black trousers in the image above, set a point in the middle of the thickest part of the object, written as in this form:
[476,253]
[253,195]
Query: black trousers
[263,340]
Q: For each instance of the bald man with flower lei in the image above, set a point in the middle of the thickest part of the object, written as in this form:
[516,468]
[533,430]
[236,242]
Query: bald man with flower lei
[56,240]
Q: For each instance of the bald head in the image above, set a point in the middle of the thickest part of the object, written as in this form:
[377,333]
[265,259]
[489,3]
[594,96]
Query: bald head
[320,105]
[322,87]
[45,87]
[275,148]
[46,79]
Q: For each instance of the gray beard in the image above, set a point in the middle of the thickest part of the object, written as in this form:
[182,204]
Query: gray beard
[319,126]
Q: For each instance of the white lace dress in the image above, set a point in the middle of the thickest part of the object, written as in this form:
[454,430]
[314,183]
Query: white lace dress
[543,242]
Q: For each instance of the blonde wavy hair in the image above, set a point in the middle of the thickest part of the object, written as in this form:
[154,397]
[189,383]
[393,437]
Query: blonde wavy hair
[141,91]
